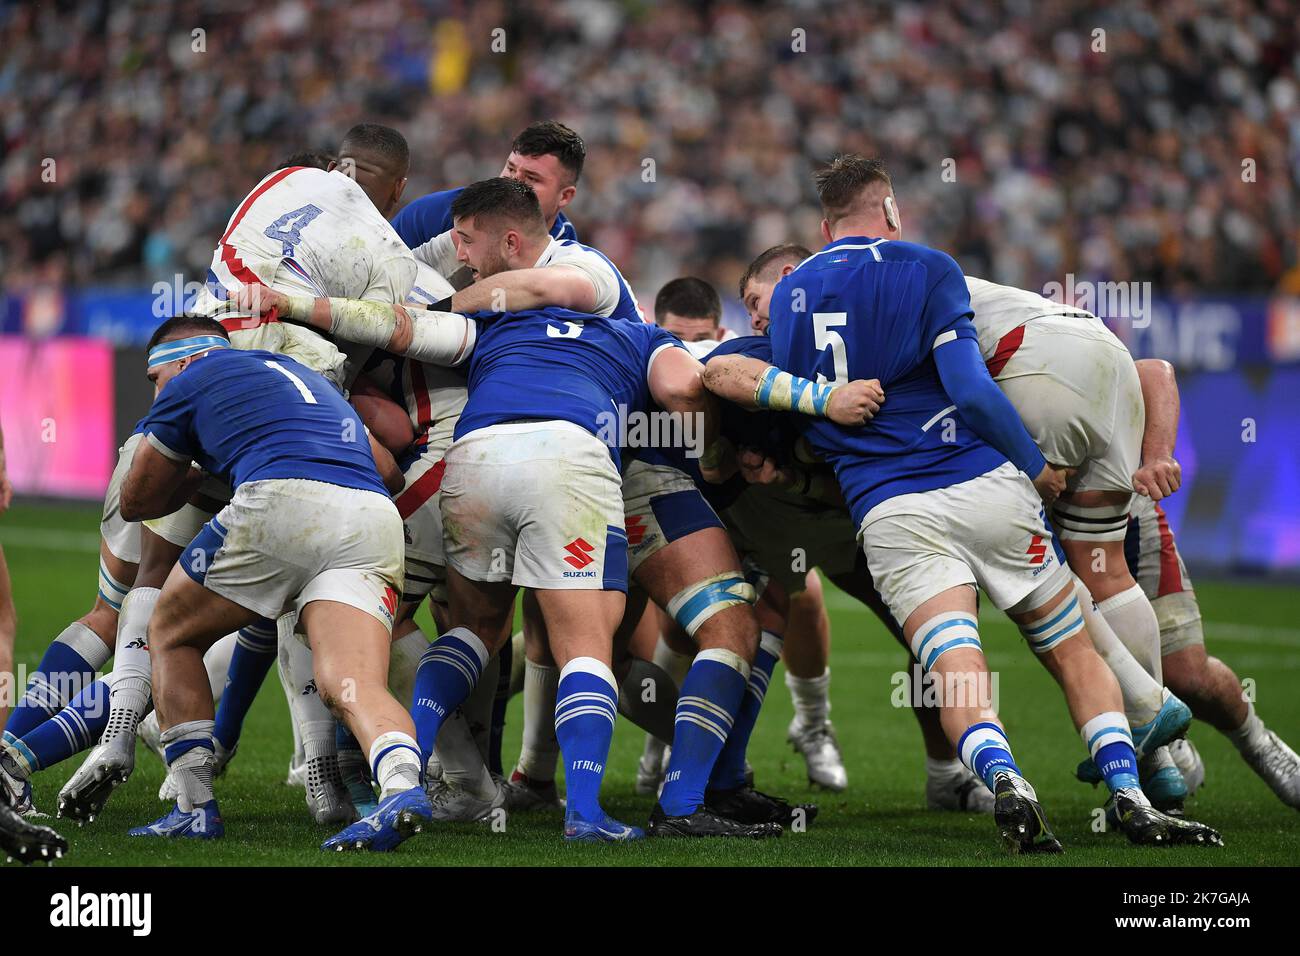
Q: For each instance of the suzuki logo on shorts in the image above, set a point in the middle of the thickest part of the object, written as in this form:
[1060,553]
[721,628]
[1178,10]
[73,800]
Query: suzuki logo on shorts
[579,552]
[635,529]
[390,601]
[1037,550]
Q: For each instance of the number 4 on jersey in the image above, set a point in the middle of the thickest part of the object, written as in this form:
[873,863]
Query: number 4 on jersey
[288,228]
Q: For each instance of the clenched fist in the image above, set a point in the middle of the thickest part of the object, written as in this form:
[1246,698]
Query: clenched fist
[855,403]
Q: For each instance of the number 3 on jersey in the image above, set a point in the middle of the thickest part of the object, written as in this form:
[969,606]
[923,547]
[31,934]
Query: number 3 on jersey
[824,336]
[571,331]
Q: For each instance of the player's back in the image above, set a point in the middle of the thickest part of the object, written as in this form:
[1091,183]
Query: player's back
[256,415]
[1001,309]
[554,364]
[864,309]
[304,231]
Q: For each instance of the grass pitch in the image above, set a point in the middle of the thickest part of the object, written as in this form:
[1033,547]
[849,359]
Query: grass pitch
[879,821]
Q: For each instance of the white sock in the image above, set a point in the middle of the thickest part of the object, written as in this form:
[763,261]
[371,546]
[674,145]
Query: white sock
[463,764]
[478,706]
[395,762]
[313,719]
[675,664]
[131,664]
[943,769]
[1142,693]
[217,663]
[1133,619]
[403,661]
[1251,734]
[540,750]
[192,769]
[812,698]
[284,631]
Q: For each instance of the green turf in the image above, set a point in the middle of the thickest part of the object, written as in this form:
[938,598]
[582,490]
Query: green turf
[880,820]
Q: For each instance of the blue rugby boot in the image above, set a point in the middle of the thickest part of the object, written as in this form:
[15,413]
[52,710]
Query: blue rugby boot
[398,817]
[201,823]
[604,830]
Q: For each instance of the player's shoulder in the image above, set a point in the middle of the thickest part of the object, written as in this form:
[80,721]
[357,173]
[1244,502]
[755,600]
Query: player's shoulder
[752,346]
[934,260]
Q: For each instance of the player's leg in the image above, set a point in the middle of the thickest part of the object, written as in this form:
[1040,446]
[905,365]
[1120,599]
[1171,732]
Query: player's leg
[532,782]
[74,657]
[949,784]
[808,678]
[942,632]
[581,625]
[8,630]
[187,620]
[672,652]
[111,761]
[697,579]
[71,661]
[350,653]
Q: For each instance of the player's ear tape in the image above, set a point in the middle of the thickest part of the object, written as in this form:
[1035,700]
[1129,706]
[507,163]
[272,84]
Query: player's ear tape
[891,214]
[693,605]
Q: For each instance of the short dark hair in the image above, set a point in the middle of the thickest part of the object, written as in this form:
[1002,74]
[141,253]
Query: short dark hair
[308,157]
[552,138]
[383,141]
[189,324]
[502,198]
[841,182]
[777,255]
[690,298]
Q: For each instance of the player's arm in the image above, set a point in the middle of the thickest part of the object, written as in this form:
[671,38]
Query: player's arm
[386,464]
[160,482]
[443,338]
[808,481]
[676,380]
[521,289]
[1160,474]
[754,384]
[6,489]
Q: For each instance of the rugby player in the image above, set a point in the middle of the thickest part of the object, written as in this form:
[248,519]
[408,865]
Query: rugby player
[309,504]
[939,486]
[300,229]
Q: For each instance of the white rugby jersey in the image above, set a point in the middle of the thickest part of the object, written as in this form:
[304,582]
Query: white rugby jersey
[614,297]
[434,395]
[1001,309]
[304,231]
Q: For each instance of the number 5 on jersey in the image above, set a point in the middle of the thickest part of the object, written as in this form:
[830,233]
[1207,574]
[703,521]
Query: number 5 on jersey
[825,336]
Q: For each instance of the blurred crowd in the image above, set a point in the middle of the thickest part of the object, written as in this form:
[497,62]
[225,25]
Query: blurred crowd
[1135,140]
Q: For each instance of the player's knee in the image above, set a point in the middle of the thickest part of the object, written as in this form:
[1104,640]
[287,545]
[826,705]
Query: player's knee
[1048,631]
[943,635]
[699,610]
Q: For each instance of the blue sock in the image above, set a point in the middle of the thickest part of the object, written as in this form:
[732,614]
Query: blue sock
[254,653]
[710,696]
[729,771]
[1111,745]
[586,705]
[69,664]
[73,729]
[448,671]
[985,750]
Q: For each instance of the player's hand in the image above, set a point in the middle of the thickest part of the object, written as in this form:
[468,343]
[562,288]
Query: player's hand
[1051,482]
[758,469]
[259,299]
[1159,479]
[855,403]
[718,462]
